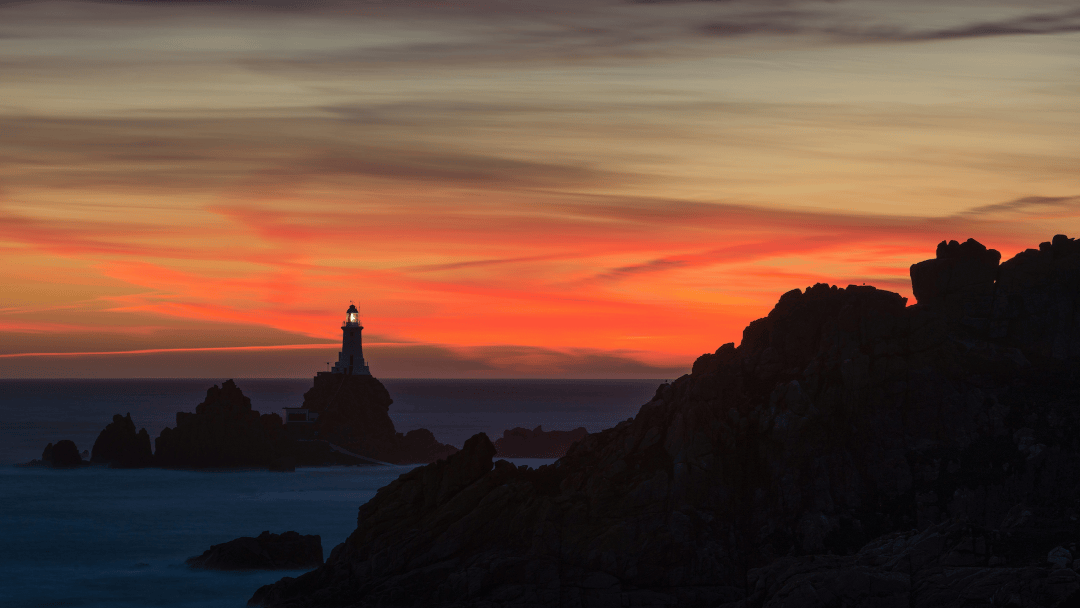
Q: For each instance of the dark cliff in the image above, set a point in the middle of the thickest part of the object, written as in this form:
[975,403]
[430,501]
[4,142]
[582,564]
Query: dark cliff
[851,451]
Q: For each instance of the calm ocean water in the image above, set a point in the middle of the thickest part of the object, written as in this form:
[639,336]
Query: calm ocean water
[94,537]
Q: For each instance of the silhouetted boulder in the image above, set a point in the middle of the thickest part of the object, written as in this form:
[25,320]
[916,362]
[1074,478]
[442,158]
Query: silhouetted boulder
[63,455]
[852,450]
[119,446]
[288,551]
[353,413]
[537,443]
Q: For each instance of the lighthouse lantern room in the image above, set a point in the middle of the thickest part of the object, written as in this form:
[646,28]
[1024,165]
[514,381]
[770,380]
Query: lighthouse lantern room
[351,357]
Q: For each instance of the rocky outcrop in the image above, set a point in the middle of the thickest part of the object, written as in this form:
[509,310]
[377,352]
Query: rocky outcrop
[63,455]
[120,447]
[288,551]
[353,412]
[537,443]
[852,450]
[223,432]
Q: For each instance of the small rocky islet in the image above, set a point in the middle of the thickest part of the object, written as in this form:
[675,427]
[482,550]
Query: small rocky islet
[287,551]
[852,451]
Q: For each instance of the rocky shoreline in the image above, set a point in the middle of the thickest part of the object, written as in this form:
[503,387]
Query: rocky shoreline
[851,451]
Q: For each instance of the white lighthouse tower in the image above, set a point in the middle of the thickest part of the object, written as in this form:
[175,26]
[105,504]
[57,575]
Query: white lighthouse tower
[351,357]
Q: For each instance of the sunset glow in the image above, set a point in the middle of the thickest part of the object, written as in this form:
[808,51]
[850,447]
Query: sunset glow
[558,189]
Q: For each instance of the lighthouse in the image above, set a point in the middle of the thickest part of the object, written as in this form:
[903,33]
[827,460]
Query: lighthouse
[351,358]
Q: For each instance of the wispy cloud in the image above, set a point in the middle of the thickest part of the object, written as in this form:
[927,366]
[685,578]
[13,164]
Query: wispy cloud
[829,25]
[1062,206]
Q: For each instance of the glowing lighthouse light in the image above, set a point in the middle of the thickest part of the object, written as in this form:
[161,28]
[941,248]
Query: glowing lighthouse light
[351,358]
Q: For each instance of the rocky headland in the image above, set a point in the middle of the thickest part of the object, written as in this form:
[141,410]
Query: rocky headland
[287,551]
[851,451]
[537,443]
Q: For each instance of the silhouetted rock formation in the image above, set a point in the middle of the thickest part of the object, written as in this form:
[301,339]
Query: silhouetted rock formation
[932,450]
[288,551]
[352,413]
[223,432]
[119,446]
[63,455]
[537,443]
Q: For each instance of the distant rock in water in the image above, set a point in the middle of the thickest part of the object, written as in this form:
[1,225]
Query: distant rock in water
[226,432]
[851,451]
[537,443]
[119,446]
[353,413]
[223,432]
[288,551]
[63,455]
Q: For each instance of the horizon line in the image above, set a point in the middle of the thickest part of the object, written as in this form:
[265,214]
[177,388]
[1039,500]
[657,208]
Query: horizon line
[147,351]
[308,377]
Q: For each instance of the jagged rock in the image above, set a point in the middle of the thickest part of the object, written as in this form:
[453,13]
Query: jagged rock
[119,446]
[353,413]
[287,551]
[537,443]
[852,450]
[223,432]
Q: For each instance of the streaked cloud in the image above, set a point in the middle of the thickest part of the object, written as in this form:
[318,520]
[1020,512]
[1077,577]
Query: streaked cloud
[827,24]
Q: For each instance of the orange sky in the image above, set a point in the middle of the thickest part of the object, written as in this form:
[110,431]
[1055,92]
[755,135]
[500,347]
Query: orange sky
[506,189]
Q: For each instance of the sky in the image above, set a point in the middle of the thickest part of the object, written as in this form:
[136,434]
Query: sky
[564,189]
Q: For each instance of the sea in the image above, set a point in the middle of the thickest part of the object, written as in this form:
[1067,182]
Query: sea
[97,537]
